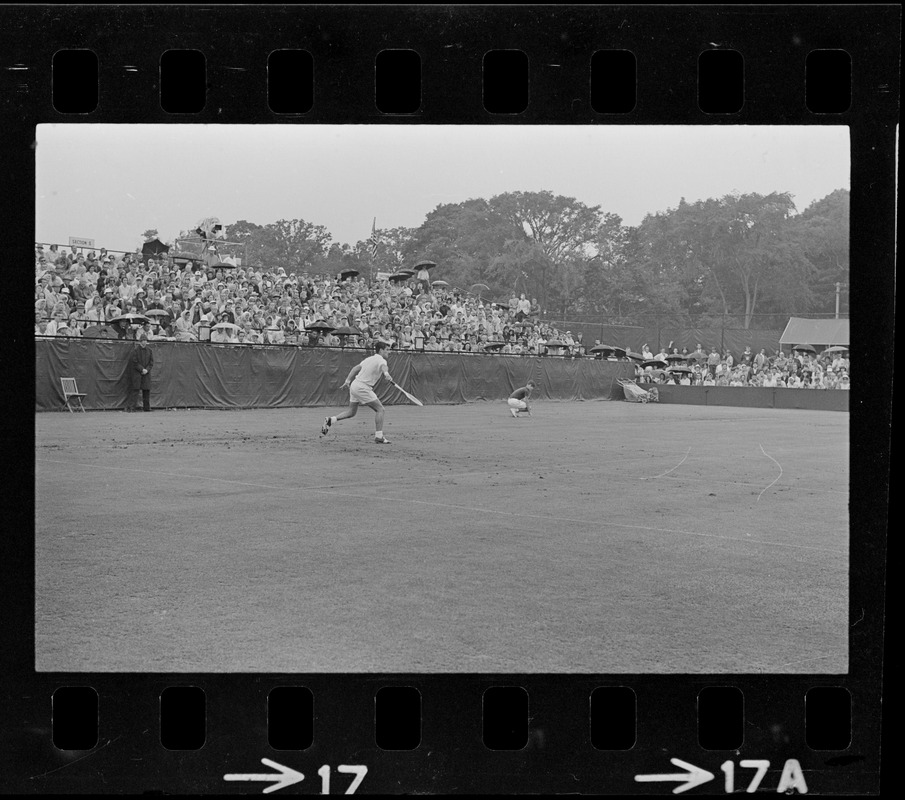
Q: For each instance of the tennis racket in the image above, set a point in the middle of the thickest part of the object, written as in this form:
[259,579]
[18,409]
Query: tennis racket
[411,397]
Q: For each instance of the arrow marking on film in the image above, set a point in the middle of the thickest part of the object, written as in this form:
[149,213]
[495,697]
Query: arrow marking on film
[695,776]
[285,777]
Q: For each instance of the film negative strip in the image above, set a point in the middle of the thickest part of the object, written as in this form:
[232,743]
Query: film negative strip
[443,640]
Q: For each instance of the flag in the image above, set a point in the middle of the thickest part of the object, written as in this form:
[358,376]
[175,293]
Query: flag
[373,241]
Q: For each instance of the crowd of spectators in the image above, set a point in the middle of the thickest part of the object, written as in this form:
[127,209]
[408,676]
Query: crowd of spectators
[75,291]
[80,293]
[797,370]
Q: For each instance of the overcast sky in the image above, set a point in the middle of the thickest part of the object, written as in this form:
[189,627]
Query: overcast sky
[112,182]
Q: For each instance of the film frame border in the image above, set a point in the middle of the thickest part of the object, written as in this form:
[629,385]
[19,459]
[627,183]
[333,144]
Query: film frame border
[344,42]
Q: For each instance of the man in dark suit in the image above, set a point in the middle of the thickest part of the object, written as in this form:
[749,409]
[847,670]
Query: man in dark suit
[142,364]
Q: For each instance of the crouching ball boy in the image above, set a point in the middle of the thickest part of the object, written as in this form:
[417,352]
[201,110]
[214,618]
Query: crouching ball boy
[518,400]
[361,382]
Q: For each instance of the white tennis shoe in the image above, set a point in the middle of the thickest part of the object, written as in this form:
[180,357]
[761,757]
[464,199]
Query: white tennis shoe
[381,440]
[326,426]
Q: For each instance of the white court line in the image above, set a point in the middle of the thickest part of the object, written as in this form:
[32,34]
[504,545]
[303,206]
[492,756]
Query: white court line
[776,478]
[164,474]
[585,522]
[391,481]
[445,475]
[743,483]
[508,514]
[663,474]
[623,477]
[559,468]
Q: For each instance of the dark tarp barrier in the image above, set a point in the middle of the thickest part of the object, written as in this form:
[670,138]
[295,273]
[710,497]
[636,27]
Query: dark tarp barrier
[733,339]
[819,399]
[742,396]
[754,397]
[736,339]
[101,368]
[190,375]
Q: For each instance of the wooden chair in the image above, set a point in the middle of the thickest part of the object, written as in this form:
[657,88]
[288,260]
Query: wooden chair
[70,390]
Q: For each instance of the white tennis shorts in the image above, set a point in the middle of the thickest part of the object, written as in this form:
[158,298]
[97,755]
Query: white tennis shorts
[513,403]
[361,393]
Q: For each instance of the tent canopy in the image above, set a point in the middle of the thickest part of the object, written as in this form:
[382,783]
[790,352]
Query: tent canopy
[817,332]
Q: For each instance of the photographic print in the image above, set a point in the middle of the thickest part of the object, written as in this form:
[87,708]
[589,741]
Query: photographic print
[442,399]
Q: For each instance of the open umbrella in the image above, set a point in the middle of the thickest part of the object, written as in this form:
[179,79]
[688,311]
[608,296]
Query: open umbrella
[494,345]
[344,333]
[676,357]
[98,332]
[348,273]
[425,264]
[805,348]
[634,356]
[154,247]
[398,277]
[619,352]
[481,287]
[602,348]
[132,319]
[554,343]
[684,370]
[836,348]
[654,362]
[157,312]
[320,325]
[439,283]
[225,326]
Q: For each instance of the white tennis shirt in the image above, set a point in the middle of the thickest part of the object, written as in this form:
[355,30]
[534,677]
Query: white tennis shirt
[371,370]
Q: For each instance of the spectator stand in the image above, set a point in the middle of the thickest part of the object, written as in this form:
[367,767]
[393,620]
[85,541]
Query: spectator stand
[189,290]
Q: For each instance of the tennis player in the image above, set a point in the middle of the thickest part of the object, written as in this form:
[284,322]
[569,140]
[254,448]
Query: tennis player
[361,382]
[518,400]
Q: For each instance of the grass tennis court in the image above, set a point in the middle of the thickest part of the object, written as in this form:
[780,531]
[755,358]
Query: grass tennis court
[596,537]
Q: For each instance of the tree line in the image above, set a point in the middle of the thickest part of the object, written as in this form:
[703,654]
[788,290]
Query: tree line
[738,255]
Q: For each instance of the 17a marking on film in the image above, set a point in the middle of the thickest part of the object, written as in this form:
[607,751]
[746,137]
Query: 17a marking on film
[286,776]
[792,778]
